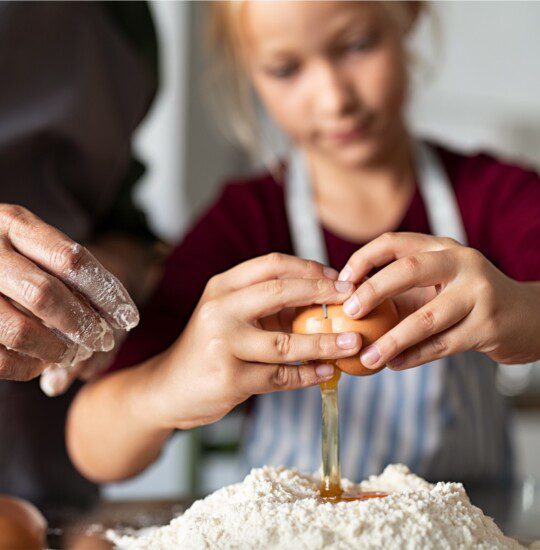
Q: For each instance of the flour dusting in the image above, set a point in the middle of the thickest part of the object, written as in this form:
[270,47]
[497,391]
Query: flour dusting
[280,508]
[104,290]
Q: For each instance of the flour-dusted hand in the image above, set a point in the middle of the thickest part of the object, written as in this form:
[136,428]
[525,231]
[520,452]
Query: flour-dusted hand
[225,355]
[450,299]
[58,304]
[56,379]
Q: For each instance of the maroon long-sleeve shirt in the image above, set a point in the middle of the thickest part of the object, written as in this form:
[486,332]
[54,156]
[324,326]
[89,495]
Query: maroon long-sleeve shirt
[499,205]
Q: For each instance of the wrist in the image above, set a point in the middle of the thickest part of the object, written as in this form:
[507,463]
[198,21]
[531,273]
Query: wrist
[525,317]
[532,302]
[160,396]
[146,399]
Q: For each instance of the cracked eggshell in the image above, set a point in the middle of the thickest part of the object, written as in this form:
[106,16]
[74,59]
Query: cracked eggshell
[310,320]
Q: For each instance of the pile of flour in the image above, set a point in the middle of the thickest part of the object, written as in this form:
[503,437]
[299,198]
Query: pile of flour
[280,508]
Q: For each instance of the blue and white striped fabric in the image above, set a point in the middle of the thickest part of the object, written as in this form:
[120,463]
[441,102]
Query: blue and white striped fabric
[445,419]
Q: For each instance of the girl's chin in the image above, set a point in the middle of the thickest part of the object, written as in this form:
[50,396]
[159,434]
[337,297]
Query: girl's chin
[356,155]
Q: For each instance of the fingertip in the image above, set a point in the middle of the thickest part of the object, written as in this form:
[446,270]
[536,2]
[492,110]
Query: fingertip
[81,354]
[100,337]
[108,337]
[105,293]
[126,316]
[69,353]
[346,273]
[330,273]
[352,307]
[348,340]
[370,356]
[324,371]
[46,386]
[397,363]
[54,381]
[344,287]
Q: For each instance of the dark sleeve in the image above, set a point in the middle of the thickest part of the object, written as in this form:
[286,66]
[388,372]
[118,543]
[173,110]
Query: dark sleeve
[515,226]
[501,207]
[218,241]
[134,22]
[123,215]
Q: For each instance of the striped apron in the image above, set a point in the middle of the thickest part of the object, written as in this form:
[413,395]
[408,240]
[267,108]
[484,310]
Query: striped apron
[444,419]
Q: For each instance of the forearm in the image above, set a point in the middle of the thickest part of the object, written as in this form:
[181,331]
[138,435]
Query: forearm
[529,321]
[113,427]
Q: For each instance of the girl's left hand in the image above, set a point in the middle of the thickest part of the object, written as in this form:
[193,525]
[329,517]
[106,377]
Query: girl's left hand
[450,299]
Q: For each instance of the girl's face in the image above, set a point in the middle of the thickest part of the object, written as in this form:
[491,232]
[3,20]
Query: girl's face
[332,74]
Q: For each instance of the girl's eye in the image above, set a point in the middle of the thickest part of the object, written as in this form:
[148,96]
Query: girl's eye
[361,44]
[283,72]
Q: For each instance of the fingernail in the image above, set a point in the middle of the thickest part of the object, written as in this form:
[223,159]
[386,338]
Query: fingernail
[351,306]
[344,287]
[53,381]
[74,355]
[103,336]
[126,315]
[346,273]
[347,340]
[108,341]
[324,371]
[68,356]
[330,273]
[82,355]
[370,355]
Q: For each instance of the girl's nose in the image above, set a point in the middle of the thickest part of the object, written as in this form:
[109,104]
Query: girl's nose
[334,93]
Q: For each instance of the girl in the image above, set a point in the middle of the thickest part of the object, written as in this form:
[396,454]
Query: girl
[455,238]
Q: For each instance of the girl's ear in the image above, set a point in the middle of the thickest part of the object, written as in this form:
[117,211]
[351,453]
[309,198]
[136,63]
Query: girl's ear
[414,8]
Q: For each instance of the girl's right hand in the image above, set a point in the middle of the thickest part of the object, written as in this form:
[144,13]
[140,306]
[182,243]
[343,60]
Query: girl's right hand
[224,355]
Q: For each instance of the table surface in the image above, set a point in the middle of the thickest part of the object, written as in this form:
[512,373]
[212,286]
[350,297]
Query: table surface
[516,510]
[75,530]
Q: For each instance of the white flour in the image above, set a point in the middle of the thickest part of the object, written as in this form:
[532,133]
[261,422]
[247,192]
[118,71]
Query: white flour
[279,508]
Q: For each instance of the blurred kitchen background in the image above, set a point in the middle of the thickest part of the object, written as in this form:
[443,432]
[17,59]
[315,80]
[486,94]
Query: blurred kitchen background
[477,87]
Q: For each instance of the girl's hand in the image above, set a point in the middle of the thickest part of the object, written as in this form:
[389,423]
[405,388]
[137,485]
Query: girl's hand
[224,355]
[450,299]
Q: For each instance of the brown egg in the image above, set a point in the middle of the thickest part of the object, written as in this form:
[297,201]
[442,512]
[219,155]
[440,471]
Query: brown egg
[310,320]
[22,527]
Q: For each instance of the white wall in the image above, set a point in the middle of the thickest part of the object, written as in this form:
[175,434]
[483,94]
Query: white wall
[486,89]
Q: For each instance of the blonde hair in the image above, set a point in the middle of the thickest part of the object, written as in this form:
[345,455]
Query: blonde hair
[231,95]
[234,102]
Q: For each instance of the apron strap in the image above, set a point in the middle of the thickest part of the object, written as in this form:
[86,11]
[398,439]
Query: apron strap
[306,233]
[439,197]
[435,188]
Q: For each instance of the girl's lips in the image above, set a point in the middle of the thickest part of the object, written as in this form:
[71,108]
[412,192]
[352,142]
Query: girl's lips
[353,134]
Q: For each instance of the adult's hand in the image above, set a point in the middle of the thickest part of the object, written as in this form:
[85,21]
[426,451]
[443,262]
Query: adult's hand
[57,302]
